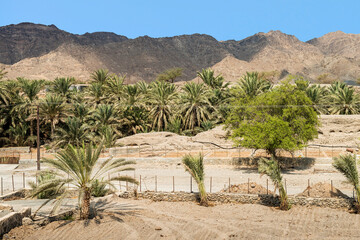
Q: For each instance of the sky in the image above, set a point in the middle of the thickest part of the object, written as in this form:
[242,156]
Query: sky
[224,20]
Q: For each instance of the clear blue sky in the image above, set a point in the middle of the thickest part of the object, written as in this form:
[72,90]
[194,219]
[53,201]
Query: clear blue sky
[226,19]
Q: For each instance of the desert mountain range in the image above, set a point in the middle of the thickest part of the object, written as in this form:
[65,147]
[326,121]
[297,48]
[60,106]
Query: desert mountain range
[38,51]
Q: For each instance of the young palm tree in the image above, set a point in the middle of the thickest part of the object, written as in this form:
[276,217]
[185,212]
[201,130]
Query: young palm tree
[83,167]
[52,110]
[19,134]
[272,169]
[108,136]
[195,166]
[161,98]
[195,105]
[96,93]
[81,111]
[133,95]
[105,115]
[251,84]
[346,164]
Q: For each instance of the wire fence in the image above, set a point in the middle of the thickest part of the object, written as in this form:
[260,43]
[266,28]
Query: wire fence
[185,183]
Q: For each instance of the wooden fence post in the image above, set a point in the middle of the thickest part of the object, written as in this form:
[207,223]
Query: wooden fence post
[267,186]
[210,184]
[248,185]
[140,182]
[191,184]
[13,185]
[155,183]
[173,183]
[229,185]
[309,187]
[2,186]
[23,180]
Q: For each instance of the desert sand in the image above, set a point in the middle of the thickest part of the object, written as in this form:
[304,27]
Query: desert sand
[143,219]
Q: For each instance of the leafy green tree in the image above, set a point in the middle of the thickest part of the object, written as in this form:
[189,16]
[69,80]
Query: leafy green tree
[195,166]
[82,166]
[271,168]
[279,119]
[346,164]
[194,105]
[251,85]
[170,75]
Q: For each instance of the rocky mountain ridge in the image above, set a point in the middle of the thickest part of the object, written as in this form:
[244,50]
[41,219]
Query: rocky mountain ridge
[41,51]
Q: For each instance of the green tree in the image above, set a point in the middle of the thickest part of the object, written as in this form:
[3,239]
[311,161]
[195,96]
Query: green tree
[271,168]
[195,166]
[82,166]
[170,75]
[346,164]
[279,119]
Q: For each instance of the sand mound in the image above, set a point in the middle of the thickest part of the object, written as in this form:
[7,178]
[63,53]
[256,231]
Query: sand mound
[322,190]
[253,188]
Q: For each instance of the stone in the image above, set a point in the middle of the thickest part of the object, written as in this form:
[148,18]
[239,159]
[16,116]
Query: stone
[25,212]
[27,221]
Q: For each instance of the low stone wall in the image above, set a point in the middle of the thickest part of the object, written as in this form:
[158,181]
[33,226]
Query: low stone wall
[268,200]
[17,194]
[12,220]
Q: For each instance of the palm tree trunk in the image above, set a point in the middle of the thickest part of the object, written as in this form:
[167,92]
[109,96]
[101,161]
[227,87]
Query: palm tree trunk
[357,203]
[202,192]
[284,203]
[85,205]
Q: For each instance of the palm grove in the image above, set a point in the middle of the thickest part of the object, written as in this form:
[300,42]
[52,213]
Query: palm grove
[108,109]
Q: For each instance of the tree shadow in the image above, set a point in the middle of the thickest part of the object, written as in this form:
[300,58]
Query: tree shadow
[250,165]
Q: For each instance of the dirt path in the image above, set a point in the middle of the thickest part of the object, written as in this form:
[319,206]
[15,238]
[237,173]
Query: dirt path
[143,219]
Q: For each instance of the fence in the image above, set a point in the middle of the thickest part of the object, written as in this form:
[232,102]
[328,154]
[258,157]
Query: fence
[185,183]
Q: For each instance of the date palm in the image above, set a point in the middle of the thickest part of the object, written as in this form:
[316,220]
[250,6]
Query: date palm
[83,167]
[317,94]
[114,87]
[195,166]
[61,87]
[100,76]
[29,90]
[271,168]
[105,115]
[344,101]
[74,132]
[212,81]
[251,84]
[346,164]
[161,98]
[52,110]
[96,93]
[194,105]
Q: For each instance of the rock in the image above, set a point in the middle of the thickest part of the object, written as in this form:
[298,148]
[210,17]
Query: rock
[43,221]
[6,207]
[27,221]
[25,212]
[158,228]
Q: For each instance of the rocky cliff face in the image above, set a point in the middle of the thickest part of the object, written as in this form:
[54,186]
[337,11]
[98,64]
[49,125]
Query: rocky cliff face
[34,50]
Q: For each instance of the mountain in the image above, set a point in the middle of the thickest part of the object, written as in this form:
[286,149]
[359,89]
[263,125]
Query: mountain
[44,51]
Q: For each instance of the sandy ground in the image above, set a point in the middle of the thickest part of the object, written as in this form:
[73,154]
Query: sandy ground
[143,219]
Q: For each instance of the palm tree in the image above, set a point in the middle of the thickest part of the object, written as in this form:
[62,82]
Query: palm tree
[114,87]
[100,76]
[75,132]
[251,84]
[96,92]
[81,111]
[4,94]
[30,90]
[317,94]
[271,168]
[344,101]
[195,105]
[19,134]
[105,115]
[61,86]
[161,98]
[83,167]
[52,110]
[108,136]
[133,95]
[346,164]
[195,166]
[209,78]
